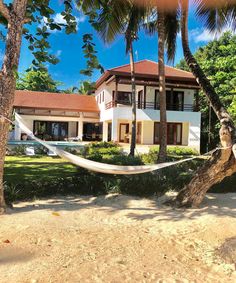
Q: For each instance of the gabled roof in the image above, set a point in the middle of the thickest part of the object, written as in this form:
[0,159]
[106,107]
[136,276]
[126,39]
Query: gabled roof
[55,101]
[147,68]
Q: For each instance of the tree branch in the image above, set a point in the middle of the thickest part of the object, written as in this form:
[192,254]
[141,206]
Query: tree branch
[26,20]
[4,10]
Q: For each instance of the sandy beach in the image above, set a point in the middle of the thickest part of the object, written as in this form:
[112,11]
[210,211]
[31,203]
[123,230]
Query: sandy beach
[118,238]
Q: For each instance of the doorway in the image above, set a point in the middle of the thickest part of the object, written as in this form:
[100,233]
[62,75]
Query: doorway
[139,132]
[124,132]
[109,132]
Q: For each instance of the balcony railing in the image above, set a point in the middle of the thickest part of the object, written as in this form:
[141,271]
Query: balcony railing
[151,105]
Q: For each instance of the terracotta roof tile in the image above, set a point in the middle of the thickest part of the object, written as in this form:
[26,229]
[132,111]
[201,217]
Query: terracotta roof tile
[55,101]
[148,68]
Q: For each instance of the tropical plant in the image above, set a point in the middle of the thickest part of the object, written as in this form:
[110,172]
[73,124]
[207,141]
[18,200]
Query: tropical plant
[217,60]
[222,163]
[112,19]
[37,80]
[90,53]
[14,16]
[164,22]
[87,87]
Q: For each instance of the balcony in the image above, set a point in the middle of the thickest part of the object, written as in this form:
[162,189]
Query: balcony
[151,105]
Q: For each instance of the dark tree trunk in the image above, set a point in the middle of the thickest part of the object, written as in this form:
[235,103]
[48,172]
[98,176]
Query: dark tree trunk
[162,87]
[7,79]
[133,133]
[222,164]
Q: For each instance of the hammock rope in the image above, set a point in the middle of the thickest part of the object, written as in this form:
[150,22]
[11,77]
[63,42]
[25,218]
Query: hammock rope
[98,166]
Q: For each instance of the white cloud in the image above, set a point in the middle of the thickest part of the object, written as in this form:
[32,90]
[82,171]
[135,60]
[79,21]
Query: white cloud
[58,53]
[59,19]
[205,35]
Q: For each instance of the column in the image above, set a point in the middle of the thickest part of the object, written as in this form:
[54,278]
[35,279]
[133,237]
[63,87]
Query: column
[80,130]
[114,130]
[105,131]
[17,132]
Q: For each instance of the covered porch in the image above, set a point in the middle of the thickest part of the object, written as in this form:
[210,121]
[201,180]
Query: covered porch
[147,132]
[62,128]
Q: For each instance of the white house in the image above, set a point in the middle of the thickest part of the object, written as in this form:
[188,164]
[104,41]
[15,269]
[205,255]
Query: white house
[107,115]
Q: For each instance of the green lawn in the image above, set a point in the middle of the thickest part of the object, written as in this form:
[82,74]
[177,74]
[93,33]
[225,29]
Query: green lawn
[25,168]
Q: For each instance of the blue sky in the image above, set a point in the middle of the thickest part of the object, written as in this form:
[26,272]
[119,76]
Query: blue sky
[69,49]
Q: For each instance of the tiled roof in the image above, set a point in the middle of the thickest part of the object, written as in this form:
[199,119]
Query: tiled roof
[148,68]
[55,101]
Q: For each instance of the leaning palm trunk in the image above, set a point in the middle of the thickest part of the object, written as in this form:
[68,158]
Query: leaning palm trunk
[133,133]
[222,163]
[8,81]
[162,88]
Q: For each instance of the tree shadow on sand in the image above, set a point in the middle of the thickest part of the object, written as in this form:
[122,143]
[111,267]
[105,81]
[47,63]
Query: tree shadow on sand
[222,205]
[13,255]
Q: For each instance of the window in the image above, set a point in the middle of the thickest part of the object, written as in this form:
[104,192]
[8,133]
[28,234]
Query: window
[123,97]
[92,131]
[157,100]
[54,131]
[174,133]
[103,96]
[174,100]
[140,99]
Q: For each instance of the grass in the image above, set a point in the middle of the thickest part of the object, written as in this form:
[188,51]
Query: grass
[25,168]
[39,176]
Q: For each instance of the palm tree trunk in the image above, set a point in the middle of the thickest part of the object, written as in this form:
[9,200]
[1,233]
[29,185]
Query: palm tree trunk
[162,87]
[8,80]
[222,164]
[133,133]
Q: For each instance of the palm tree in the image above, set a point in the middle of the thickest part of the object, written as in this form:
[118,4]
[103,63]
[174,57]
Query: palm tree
[166,25]
[221,164]
[120,17]
[162,87]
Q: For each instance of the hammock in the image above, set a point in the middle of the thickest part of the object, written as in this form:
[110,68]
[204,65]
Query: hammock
[93,165]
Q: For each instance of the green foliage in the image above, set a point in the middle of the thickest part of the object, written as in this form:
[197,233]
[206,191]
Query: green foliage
[17,150]
[41,14]
[41,176]
[174,152]
[41,22]
[30,177]
[37,80]
[232,108]
[87,87]
[90,53]
[217,59]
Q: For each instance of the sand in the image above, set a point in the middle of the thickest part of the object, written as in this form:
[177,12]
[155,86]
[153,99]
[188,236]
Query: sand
[118,238]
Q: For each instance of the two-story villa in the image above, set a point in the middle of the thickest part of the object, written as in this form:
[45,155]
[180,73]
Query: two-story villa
[113,96]
[107,116]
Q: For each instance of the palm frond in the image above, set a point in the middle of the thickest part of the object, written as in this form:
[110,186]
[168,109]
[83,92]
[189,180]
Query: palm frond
[172,27]
[111,21]
[135,17]
[214,18]
[150,22]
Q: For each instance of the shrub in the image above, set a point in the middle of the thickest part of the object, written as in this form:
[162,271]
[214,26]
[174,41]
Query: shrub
[18,150]
[90,183]
[102,145]
[175,150]
[72,150]
[40,150]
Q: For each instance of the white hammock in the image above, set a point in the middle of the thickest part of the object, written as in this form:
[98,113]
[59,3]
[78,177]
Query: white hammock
[93,165]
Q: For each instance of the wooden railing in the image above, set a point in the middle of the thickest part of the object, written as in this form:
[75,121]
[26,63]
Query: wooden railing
[151,105]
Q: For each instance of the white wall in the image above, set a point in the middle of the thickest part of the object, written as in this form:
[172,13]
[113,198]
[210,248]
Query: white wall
[29,122]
